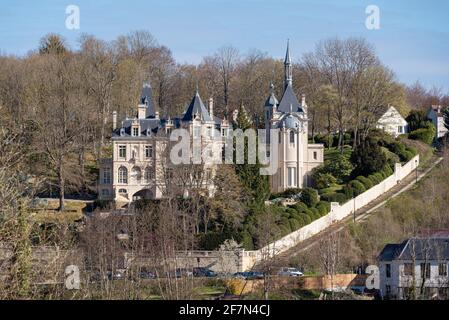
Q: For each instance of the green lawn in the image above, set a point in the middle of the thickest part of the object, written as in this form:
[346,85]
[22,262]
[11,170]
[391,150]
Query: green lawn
[331,154]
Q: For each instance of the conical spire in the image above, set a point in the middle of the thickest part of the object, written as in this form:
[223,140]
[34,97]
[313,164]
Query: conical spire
[288,72]
[288,59]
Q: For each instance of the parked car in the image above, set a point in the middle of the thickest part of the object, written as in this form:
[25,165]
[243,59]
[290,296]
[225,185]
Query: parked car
[203,272]
[249,275]
[241,275]
[290,272]
[182,272]
[253,275]
[147,275]
[117,275]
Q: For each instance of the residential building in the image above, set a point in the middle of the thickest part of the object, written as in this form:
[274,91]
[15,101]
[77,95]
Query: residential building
[415,268]
[435,114]
[139,166]
[391,121]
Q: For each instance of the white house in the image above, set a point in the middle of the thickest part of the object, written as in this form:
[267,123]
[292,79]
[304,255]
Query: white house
[435,114]
[391,121]
[417,265]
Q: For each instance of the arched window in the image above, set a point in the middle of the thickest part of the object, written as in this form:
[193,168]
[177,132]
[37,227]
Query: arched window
[122,175]
[136,175]
[292,136]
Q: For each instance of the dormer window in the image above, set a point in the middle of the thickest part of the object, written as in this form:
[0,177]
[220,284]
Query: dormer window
[135,131]
[122,132]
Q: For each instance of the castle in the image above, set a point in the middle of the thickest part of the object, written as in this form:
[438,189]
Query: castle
[138,168]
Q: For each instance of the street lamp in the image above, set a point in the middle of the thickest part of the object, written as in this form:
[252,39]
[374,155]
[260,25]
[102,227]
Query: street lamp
[416,169]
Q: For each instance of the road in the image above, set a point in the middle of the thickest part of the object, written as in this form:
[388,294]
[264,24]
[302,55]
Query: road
[364,212]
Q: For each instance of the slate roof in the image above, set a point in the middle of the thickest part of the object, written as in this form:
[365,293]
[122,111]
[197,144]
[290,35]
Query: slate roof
[271,101]
[429,248]
[146,98]
[196,107]
[289,102]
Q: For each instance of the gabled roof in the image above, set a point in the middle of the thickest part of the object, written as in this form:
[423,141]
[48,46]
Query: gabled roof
[196,107]
[289,102]
[146,98]
[429,248]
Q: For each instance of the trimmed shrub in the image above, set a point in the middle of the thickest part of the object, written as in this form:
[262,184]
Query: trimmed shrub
[324,180]
[291,212]
[334,197]
[285,229]
[294,224]
[348,192]
[310,197]
[357,186]
[315,213]
[299,207]
[367,183]
[323,207]
[425,135]
[307,219]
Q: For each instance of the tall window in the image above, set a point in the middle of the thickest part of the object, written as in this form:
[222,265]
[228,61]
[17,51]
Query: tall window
[388,270]
[148,151]
[315,155]
[149,174]
[442,269]
[196,132]
[425,270]
[400,129]
[122,151]
[292,136]
[292,177]
[408,269]
[122,175]
[107,175]
[135,132]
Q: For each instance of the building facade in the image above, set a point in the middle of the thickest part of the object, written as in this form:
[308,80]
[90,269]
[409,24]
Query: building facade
[296,156]
[391,121]
[415,268]
[435,114]
[139,166]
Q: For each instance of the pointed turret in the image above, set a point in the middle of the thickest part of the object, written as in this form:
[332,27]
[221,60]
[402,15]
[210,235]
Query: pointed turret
[196,109]
[146,98]
[288,72]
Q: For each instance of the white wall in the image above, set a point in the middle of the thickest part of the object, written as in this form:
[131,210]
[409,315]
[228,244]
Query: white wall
[339,212]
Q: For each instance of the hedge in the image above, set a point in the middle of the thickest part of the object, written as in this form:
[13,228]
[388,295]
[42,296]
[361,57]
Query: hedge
[334,197]
[367,183]
[323,207]
[357,186]
[425,135]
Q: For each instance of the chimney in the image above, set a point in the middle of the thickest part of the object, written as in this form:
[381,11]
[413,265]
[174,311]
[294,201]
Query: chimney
[211,108]
[303,100]
[114,120]
[157,115]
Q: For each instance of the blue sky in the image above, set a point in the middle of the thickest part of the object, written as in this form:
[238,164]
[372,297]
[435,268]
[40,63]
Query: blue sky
[413,39]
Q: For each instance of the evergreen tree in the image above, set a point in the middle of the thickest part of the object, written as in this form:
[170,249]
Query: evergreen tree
[255,185]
